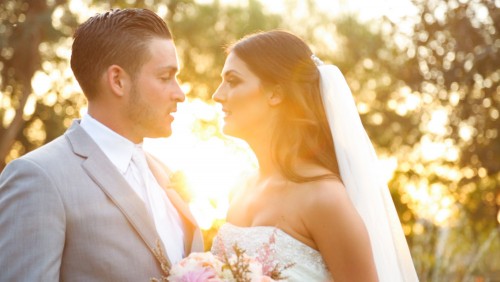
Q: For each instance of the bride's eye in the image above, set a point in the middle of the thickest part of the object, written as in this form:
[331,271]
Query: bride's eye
[232,81]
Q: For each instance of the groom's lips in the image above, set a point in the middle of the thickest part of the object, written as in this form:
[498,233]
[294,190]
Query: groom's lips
[172,114]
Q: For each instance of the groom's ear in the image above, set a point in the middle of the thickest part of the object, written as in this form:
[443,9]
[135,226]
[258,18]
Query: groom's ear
[275,95]
[118,80]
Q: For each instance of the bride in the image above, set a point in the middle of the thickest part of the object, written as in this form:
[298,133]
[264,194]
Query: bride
[318,188]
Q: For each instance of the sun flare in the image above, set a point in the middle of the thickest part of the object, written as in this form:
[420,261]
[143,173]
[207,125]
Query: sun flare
[213,167]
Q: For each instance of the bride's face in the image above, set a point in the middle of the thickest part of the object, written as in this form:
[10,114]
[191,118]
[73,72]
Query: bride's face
[244,100]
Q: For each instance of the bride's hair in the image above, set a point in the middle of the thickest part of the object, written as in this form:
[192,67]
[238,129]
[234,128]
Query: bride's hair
[281,59]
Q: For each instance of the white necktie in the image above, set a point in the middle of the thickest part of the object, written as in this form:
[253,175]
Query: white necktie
[167,220]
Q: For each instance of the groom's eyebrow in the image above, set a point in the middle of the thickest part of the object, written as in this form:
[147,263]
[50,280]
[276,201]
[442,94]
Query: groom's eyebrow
[168,69]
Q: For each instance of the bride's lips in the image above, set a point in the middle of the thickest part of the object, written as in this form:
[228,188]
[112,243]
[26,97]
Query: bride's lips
[226,113]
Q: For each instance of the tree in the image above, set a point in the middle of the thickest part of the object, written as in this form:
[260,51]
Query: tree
[449,65]
[31,40]
[26,25]
[429,98]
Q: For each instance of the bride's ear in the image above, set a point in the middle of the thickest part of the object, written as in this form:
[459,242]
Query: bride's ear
[275,95]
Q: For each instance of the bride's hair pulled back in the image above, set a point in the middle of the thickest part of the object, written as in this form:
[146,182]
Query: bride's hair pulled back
[283,61]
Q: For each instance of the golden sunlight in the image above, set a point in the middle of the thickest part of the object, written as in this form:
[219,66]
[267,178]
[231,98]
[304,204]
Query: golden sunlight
[432,202]
[213,167]
[10,112]
[216,166]
[41,83]
[438,122]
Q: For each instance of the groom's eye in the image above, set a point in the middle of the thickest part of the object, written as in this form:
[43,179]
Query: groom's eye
[168,76]
[165,77]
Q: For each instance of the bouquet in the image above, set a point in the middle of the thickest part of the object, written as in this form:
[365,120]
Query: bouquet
[239,267]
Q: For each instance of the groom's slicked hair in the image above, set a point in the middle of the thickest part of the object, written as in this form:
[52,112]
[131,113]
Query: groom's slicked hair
[279,58]
[117,37]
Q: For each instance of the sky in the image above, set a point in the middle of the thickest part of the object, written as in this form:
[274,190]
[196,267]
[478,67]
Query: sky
[366,9]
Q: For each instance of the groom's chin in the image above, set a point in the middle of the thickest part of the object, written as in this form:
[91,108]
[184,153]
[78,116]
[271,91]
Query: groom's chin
[167,133]
[161,133]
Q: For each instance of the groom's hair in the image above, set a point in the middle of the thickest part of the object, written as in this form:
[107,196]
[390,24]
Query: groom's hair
[117,37]
[281,60]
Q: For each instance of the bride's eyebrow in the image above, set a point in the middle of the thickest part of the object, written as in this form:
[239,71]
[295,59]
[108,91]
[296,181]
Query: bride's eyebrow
[229,72]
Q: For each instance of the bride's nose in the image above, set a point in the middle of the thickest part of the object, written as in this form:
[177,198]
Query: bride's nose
[219,95]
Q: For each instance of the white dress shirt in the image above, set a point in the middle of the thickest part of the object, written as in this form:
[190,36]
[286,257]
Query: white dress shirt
[119,151]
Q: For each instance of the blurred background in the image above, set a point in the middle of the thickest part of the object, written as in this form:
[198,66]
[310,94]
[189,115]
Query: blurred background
[425,75]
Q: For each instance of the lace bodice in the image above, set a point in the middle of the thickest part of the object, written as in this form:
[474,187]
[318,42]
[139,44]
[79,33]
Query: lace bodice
[308,265]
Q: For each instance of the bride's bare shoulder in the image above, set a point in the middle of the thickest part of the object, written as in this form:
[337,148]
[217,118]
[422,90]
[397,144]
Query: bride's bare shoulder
[329,185]
[324,195]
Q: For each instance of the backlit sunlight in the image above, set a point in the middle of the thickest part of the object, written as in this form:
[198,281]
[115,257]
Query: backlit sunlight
[213,167]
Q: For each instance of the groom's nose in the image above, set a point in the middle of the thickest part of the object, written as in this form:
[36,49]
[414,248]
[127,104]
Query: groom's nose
[178,94]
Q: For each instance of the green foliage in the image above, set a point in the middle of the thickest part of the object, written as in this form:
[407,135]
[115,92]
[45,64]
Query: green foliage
[27,28]
[456,48]
[448,62]
[203,31]
[455,51]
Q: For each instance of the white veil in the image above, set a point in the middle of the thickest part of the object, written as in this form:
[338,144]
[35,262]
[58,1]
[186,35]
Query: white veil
[359,169]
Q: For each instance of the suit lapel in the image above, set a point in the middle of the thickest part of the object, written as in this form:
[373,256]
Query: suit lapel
[192,234]
[189,222]
[114,185]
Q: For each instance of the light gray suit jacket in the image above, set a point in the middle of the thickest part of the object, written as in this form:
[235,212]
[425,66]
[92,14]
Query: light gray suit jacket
[67,214]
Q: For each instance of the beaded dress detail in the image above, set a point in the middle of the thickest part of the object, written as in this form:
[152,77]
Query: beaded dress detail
[308,265]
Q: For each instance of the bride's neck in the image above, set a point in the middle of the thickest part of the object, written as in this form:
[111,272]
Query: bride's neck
[263,151]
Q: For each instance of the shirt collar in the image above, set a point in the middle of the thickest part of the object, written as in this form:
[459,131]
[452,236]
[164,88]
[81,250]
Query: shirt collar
[117,148]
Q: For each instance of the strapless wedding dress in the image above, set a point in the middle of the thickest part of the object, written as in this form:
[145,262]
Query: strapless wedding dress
[308,265]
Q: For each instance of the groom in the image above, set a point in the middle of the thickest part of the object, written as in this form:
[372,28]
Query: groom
[88,206]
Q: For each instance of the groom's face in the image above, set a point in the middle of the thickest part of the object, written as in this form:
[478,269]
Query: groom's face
[155,92]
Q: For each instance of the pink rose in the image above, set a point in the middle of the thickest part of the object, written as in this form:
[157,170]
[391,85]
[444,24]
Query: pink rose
[200,275]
